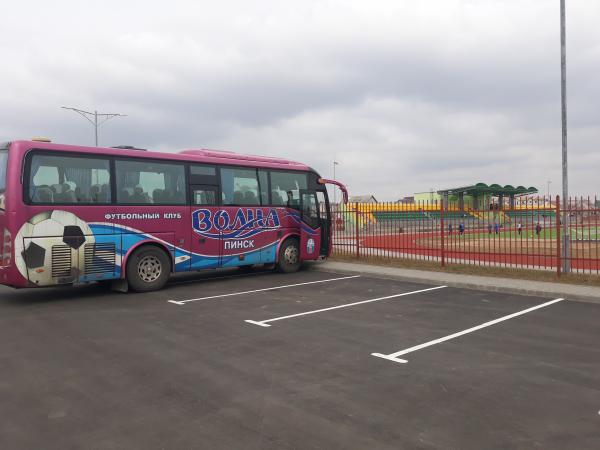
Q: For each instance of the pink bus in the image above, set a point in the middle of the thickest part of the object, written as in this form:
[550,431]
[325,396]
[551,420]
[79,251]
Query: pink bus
[71,214]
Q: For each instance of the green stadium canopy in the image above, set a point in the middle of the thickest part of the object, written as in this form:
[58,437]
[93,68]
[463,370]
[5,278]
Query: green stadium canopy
[479,189]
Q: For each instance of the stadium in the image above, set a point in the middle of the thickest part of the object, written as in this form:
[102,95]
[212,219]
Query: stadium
[482,224]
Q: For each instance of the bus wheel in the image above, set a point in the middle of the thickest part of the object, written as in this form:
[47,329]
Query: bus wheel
[148,269]
[289,256]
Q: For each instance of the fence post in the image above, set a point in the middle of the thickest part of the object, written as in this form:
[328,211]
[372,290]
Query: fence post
[356,227]
[558,237]
[443,246]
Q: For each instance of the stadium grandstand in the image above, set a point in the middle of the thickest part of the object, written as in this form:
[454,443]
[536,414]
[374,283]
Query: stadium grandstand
[477,205]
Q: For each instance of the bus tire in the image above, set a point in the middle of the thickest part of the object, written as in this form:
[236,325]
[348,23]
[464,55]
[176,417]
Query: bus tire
[289,256]
[148,269]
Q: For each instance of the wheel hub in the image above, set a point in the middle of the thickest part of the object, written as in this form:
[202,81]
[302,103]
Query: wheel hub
[291,255]
[149,268]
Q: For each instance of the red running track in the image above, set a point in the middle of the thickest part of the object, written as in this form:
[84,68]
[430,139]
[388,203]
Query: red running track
[518,253]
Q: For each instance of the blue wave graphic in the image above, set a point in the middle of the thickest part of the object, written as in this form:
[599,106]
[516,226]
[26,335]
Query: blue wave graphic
[298,219]
[125,238]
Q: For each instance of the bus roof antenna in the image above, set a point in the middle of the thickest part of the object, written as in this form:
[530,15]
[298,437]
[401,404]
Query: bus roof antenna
[92,117]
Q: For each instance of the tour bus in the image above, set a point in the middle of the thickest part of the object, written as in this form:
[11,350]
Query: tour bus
[73,215]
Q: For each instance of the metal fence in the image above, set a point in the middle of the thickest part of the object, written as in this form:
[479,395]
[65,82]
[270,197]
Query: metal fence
[525,233]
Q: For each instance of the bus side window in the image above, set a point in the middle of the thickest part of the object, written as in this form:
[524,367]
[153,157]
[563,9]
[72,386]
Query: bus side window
[44,186]
[68,179]
[263,181]
[203,174]
[286,186]
[149,182]
[205,195]
[239,186]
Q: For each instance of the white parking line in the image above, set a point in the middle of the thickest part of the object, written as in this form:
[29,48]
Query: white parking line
[265,323]
[183,302]
[394,356]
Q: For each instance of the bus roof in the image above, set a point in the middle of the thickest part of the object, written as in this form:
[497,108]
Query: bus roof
[193,155]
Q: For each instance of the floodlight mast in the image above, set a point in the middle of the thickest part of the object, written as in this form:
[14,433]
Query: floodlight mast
[92,117]
[565,179]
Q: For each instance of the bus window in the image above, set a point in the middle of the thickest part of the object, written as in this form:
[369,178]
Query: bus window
[310,211]
[46,176]
[3,164]
[204,195]
[263,181]
[285,188]
[322,200]
[207,171]
[203,174]
[65,180]
[239,186]
[3,168]
[149,182]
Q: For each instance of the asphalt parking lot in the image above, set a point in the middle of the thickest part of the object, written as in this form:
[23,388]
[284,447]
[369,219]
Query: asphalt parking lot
[225,361]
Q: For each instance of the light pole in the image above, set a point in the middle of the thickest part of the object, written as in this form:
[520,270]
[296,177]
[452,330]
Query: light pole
[335,163]
[92,117]
[548,188]
[563,98]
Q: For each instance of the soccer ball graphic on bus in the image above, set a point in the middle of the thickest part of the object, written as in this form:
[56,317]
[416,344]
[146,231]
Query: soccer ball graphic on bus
[49,247]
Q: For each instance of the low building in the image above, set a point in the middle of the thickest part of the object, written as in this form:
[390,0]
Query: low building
[363,199]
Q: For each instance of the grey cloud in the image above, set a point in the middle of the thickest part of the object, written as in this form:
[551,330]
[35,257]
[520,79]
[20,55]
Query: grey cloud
[407,95]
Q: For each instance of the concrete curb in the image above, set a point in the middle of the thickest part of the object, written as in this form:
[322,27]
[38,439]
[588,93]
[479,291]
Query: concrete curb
[579,293]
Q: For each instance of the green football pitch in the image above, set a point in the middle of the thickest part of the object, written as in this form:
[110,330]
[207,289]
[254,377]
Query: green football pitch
[579,233]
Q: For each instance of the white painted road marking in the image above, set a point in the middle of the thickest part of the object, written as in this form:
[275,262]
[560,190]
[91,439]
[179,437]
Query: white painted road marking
[394,356]
[264,323]
[183,302]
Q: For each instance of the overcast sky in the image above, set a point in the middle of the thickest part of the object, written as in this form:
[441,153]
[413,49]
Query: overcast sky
[406,95]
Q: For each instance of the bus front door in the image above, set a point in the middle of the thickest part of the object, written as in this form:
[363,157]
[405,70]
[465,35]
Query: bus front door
[311,229]
[324,222]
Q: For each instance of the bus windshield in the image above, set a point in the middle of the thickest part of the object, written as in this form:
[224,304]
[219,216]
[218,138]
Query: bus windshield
[3,164]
